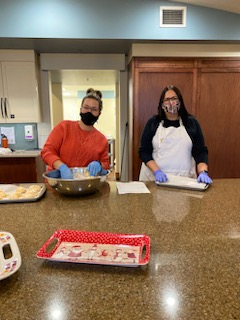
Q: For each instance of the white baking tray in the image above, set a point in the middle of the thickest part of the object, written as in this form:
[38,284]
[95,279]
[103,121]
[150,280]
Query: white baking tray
[11,188]
[183,183]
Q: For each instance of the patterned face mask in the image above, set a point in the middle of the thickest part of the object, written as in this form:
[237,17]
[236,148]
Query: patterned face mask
[171,105]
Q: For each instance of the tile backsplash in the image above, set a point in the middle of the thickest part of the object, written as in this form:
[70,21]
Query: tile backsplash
[19,133]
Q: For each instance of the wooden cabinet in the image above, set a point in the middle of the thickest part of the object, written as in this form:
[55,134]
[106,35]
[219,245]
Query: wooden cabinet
[21,169]
[219,114]
[210,89]
[18,88]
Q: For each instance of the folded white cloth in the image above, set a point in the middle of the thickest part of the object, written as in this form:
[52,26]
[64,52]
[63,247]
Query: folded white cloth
[5,150]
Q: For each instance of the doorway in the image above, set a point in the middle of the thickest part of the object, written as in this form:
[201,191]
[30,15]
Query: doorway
[95,71]
[68,89]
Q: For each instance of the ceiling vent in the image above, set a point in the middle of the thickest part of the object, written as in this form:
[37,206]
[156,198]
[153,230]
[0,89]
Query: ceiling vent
[173,17]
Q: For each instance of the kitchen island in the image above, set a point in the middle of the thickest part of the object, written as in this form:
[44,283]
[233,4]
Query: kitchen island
[194,266]
[21,166]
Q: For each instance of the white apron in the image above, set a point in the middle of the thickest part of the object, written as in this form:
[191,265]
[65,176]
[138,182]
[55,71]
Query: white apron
[172,151]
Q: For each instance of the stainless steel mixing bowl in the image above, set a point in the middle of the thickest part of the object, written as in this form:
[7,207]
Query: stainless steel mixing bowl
[82,183]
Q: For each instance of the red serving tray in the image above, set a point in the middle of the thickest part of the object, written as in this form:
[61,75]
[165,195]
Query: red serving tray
[130,250]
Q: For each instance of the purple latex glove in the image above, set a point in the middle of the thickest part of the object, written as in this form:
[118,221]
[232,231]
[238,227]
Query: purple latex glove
[94,168]
[65,172]
[204,177]
[160,176]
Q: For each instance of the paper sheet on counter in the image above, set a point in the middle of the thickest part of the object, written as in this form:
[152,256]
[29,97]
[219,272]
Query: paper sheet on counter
[132,187]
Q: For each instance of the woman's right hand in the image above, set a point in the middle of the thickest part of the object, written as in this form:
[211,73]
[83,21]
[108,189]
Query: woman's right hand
[65,172]
[53,174]
[160,176]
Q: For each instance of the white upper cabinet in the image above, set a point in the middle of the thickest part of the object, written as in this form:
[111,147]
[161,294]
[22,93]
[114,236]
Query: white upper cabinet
[18,88]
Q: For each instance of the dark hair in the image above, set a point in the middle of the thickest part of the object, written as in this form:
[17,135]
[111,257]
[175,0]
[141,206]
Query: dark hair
[94,94]
[183,113]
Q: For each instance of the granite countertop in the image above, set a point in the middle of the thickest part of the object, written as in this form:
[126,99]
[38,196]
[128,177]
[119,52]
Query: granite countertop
[194,267]
[21,154]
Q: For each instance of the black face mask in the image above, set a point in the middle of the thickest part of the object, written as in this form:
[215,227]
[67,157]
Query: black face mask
[88,118]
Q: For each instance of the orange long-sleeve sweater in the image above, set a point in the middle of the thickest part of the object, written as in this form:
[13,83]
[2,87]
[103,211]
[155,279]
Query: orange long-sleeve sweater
[75,147]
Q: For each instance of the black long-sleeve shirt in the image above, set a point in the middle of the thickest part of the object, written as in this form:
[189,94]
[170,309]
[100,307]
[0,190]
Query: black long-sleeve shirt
[199,150]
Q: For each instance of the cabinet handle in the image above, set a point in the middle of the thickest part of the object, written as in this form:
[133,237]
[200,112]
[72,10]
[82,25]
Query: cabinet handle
[2,107]
[5,107]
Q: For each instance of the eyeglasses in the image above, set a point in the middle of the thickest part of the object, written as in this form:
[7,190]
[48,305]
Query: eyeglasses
[91,109]
[172,99]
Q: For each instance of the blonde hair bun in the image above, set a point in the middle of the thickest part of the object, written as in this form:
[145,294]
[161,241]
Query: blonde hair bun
[92,92]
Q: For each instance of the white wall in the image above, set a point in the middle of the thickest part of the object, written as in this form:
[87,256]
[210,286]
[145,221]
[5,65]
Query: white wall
[107,120]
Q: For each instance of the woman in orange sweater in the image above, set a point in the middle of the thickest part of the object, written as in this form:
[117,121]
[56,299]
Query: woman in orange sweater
[78,143]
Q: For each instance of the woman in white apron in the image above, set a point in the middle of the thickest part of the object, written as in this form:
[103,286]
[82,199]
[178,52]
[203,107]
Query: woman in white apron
[172,142]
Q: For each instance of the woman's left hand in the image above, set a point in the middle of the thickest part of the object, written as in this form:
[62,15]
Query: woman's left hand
[103,172]
[204,178]
[94,168]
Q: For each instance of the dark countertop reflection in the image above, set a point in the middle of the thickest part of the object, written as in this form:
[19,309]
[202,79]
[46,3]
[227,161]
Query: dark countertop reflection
[194,265]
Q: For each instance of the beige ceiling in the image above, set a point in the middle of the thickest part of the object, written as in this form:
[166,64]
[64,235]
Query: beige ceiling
[226,5]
